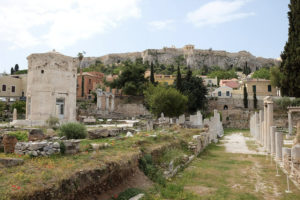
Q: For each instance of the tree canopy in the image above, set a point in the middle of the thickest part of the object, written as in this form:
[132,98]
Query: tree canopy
[290,66]
[195,90]
[132,79]
[222,74]
[262,73]
[165,100]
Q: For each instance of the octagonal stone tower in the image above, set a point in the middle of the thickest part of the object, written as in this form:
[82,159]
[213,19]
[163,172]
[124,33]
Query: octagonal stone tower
[51,87]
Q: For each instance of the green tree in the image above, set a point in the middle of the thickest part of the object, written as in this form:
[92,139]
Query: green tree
[178,79]
[290,66]
[132,79]
[245,97]
[152,80]
[246,69]
[275,77]
[254,100]
[16,67]
[262,73]
[20,106]
[165,100]
[12,71]
[195,90]
[222,74]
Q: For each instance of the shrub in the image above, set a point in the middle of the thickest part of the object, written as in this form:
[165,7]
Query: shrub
[52,122]
[150,170]
[62,147]
[22,136]
[73,130]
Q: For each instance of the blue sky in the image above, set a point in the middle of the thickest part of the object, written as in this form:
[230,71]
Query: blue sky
[99,27]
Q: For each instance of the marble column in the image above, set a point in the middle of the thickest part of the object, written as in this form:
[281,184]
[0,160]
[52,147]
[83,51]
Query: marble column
[107,103]
[272,134]
[99,103]
[290,123]
[261,119]
[112,108]
[265,124]
[15,115]
[270,124]
[279,144]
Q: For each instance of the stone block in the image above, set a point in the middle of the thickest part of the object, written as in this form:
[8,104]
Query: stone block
[98,133]
[9,143]
[10,162]
[36,135]
[295,153]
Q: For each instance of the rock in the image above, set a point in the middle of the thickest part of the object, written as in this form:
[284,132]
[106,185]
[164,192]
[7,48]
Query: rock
[36,134]
[50,132]
[33,153]
[95,147]
[129,134]
[98,133]
[9,143]
[56,145]
[10,162]
[72,146]
[137,197]
[63,138]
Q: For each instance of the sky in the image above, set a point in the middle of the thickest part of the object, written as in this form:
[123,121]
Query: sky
[100,27]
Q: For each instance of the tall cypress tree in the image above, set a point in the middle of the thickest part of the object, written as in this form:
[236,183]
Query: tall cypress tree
[290,66]
[254,100]
[178,80]
[152,74]
[245,97]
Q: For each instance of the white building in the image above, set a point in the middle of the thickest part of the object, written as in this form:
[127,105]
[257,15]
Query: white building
[223,91]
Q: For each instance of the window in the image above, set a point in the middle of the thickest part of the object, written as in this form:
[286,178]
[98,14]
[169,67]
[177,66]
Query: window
[89,91]
[3,88]
[254,88]
[219,93]
[13,88]
[269,88]
[42,71]
[227,93]
[22,93]
[209,81]
[90,81]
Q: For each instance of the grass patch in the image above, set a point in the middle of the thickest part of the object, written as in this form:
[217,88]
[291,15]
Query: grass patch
[216,174]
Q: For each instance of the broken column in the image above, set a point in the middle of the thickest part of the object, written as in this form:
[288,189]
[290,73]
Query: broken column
[273,146]
[261,115]
[265,124]
[279,144]
[9,143]
[290,123]
[112,108]
[15,116]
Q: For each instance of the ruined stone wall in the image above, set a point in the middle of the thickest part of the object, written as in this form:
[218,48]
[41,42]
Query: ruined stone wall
[196,58]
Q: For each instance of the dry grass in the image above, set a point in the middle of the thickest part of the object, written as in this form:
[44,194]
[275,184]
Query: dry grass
[44,172]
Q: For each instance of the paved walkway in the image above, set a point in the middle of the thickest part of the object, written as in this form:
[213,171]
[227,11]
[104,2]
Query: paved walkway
[236,143]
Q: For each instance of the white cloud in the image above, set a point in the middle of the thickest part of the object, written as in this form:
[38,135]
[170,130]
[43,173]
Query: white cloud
[161,25]
[218,12]
[60,23]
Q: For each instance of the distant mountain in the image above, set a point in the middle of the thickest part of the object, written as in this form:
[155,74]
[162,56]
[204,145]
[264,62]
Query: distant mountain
[195,58]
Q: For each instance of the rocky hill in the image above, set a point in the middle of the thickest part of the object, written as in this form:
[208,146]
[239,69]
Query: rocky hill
[195,58]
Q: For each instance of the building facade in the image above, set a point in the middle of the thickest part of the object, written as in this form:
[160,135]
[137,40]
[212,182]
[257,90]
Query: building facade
[223,91]
[262,88]
[87,82]
[13,87]
[51,87]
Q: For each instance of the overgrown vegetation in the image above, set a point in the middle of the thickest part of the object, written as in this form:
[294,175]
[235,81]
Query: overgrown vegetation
[285,102]
[73,130]
[20,106]
[132,79]
[147,166]
[53,122]
[22,136]
[262,73]
[223,74]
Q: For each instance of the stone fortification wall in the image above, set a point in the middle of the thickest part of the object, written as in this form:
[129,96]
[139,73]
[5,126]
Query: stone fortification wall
[196,58]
